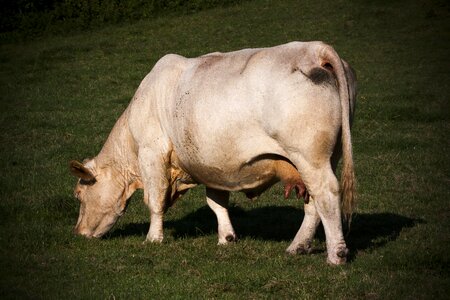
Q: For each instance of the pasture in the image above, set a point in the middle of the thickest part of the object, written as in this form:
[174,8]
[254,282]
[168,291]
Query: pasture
[61,95]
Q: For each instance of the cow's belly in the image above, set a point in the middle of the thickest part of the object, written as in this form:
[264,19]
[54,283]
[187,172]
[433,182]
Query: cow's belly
[254,174]
[242,164]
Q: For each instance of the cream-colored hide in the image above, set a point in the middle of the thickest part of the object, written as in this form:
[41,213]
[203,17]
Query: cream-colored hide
[238,121]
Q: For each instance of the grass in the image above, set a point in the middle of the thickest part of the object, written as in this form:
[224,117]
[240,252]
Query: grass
[60,96]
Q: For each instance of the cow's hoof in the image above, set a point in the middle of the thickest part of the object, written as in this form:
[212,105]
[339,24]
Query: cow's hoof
[156,239]
[302,249]
[339,258]
[230,238]
[342,253]
[151,242]
[336,261]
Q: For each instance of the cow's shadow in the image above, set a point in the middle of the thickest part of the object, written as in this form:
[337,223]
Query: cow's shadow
[279,223]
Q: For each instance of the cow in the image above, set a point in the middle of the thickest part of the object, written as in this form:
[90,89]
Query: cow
[236,121]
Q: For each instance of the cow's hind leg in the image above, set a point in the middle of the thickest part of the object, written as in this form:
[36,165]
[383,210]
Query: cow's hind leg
[303,239]
[323,187]
[218,202]
[327,201]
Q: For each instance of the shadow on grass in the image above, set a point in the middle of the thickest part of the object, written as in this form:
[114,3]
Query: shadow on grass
[274,223]
[279,223]
[371,231]
[268,223]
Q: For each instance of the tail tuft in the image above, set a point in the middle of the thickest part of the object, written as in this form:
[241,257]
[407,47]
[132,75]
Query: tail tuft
[348,194]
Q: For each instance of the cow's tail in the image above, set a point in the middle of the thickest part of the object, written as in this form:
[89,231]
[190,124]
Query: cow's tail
[329,58]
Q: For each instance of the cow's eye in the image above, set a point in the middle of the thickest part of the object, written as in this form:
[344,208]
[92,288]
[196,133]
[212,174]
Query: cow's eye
[87,182]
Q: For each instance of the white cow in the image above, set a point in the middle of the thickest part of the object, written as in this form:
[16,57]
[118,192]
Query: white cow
[237,121]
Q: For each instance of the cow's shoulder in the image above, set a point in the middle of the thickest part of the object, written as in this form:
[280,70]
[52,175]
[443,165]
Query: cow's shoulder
[171,61]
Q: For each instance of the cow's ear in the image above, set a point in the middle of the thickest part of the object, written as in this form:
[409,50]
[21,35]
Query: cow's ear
[80,171]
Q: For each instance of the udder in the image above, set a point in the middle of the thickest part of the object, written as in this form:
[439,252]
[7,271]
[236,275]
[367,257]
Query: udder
[291,179]
[266,172]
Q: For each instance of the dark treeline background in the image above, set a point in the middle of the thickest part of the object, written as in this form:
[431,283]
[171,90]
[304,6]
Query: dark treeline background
[38,16]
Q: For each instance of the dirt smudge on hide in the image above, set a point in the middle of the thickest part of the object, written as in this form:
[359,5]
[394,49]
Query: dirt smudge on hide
[189,144]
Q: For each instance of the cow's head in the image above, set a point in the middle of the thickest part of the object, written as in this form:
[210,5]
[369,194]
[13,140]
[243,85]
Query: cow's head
[103,196]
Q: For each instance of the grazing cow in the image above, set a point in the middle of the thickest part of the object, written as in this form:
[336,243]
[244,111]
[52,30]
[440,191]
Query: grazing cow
[237,121]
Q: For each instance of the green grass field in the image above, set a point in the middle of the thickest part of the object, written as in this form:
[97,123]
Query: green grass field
[60,97]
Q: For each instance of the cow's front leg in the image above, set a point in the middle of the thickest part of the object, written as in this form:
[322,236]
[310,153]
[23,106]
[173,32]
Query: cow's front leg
[303,239]
[155,202]
[156,183]
[218,202]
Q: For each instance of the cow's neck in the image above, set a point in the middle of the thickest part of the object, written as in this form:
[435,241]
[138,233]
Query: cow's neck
[119,152]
